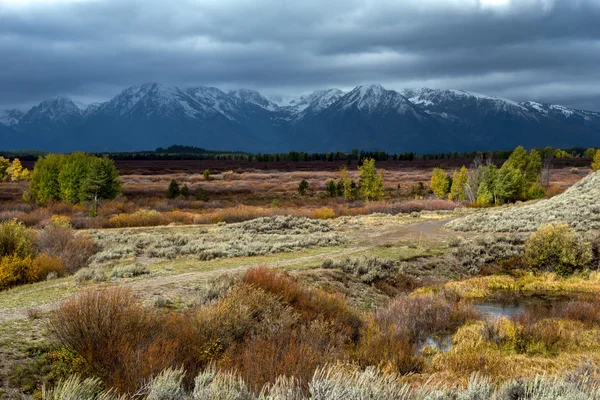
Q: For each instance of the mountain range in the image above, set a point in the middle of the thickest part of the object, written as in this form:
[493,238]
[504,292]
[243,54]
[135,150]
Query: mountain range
[369,117]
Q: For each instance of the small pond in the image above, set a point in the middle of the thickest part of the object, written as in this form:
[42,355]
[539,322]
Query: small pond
[504,306]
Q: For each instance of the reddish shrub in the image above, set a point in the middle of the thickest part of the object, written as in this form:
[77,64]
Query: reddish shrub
[311,304]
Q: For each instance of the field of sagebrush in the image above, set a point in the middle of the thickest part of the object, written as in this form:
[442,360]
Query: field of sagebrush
[262,303]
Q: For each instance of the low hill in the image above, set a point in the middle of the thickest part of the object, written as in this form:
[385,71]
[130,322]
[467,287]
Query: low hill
[579,206]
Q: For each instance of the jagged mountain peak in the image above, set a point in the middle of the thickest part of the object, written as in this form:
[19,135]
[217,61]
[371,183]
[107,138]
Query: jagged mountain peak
[59,110]
[432,97]
[314,102]
[370,116]
[253,97]
[369,98]
[10,117]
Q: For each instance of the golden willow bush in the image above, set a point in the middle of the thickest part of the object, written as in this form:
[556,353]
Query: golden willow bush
[27,257]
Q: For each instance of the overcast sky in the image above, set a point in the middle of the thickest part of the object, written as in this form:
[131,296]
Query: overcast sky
[544,50]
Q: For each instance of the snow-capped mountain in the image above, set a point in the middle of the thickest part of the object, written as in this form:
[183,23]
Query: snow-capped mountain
[368,117]
[10,117]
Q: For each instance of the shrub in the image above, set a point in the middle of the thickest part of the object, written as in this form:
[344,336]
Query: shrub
[44,265]
[138,218]
[311,304]
[324,213]
[302,187]
[14,271]
[16,239]
[418,317]
[557,248]
[369,269]
[74,251]
[90,274]
[473,254]
[121,342]
[173,191]
[130,271]
[263,359]
[61,221]
[19,271]
[201,194]
[281,224]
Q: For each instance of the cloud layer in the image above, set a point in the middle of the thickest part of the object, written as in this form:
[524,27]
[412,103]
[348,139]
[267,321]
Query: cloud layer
[545,50]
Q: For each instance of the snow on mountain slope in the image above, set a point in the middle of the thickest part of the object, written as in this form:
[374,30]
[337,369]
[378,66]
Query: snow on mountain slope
[368,115]
[152,99]
[10,117]
[370,98]
[297,106]
[555,110]
[432,97]
[58,110]
[252,97]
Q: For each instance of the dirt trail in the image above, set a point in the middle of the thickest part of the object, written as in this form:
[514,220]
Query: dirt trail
[184,284]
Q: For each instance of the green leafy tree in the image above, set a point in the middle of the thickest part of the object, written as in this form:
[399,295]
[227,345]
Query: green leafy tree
[339,188]
[370,181]
[101,182]
[173,191]
[533,167]
[330,188]
[4,164]
[596,162]
[44,185]
[589,153]
[72,176]
[517,159]
[509,185]
[561,154]
[351,191]
[486,192]
[302,187]
[206,175]
[440,183]
[459,185]
[15,172]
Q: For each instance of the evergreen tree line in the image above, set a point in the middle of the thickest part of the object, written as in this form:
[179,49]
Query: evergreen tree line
[196,153]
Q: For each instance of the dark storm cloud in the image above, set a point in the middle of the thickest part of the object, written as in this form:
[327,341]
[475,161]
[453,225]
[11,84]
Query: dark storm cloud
[545,50]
